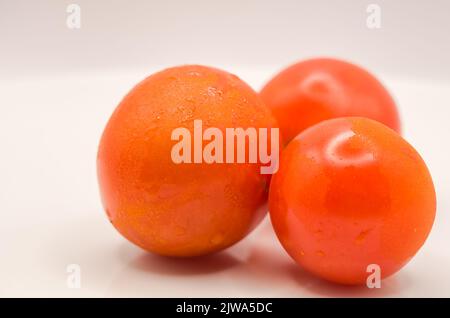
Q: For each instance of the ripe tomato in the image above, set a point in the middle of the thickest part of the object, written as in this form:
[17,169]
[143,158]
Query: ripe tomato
[308,92]
[181,209]
[351,192]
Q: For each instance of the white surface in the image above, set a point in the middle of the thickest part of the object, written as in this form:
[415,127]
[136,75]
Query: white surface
[51,214]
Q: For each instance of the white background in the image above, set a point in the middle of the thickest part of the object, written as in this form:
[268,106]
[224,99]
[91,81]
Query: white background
[59,86]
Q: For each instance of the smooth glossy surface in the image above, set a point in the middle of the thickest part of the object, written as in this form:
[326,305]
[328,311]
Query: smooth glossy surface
[318,89]
[61,221]
[181,209]
[351,192]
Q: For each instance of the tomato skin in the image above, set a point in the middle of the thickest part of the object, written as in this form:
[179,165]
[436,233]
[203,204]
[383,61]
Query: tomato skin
[181,209]
[314,90]
[351,192]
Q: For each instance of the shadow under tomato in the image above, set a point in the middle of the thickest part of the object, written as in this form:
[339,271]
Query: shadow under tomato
[201,265]
[270,264]
[389,286]
[151,275]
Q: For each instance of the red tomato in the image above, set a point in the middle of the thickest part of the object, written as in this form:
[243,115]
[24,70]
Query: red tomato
[351,192]
[314,90]
[181,209]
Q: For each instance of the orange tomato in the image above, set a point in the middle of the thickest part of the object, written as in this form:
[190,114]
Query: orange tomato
[181,209]
[311,91]
[351,192]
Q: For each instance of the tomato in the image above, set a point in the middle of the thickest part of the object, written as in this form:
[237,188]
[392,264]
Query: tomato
[181,209]
[351,192]
[309,92]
